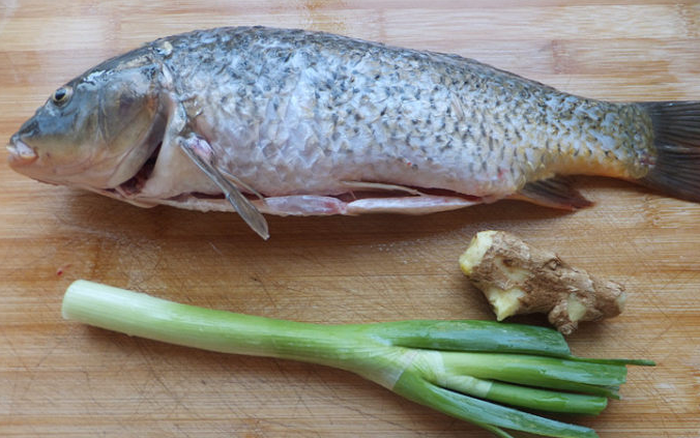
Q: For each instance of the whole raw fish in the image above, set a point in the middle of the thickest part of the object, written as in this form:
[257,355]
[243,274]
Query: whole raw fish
[292,122]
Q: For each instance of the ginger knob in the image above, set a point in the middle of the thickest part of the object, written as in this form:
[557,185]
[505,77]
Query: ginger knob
[517,278]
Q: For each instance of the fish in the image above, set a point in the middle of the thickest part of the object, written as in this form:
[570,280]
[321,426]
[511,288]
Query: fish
[261,120]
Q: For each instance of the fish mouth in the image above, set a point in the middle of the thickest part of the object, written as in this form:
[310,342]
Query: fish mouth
[21,154]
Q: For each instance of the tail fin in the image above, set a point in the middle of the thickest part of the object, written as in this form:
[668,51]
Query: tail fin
[677,140]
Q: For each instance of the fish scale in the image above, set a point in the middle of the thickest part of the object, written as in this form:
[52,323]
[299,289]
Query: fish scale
[314,122]
[319,163]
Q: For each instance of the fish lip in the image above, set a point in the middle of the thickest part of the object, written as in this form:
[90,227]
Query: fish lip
[21,154]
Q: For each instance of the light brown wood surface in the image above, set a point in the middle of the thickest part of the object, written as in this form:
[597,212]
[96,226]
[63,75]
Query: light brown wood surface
[60,378]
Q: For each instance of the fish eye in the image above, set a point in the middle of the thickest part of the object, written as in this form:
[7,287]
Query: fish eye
[62,95]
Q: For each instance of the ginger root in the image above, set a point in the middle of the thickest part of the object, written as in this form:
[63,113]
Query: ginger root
[517,279]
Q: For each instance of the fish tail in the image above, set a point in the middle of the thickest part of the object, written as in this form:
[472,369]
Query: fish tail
[676,170]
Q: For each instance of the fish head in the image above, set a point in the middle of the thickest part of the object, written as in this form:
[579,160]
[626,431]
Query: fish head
[97,130]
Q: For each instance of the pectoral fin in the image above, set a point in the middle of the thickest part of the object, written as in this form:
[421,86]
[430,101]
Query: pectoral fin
[237,182]
[200,152]
[554,192]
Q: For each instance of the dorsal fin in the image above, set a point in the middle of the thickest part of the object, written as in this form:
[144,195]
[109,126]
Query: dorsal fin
[555,192]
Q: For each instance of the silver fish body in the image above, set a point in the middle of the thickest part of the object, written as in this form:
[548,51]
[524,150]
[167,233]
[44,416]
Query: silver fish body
[313,123]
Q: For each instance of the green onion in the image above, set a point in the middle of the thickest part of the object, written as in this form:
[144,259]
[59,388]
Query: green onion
[461,368]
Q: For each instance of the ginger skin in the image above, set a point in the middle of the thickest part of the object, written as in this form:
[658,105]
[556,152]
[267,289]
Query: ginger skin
[517,279]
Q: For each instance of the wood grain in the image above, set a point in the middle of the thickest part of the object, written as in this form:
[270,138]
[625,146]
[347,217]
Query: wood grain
[64,379]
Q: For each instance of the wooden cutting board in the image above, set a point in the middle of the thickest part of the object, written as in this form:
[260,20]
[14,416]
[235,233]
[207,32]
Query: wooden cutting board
[63,379]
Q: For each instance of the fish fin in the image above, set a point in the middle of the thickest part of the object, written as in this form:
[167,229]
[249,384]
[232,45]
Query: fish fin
[379,187]
[556,192]
[676,170]
[237,182]
[415,205]
[302,205]
[199,152]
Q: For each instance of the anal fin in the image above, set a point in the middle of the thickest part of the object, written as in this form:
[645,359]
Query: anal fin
[556,192]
